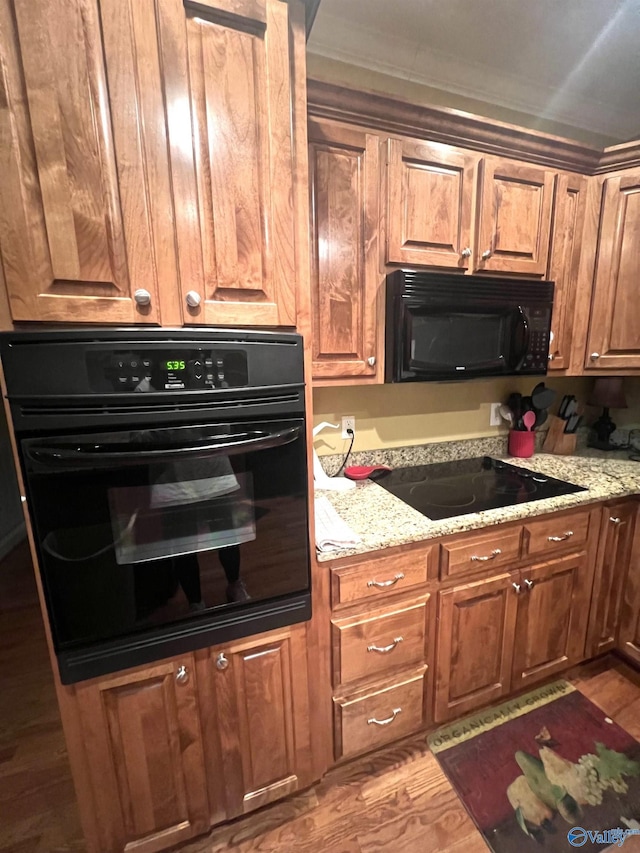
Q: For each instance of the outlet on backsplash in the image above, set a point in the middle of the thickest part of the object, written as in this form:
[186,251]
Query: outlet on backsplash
[348,423]
[494,418]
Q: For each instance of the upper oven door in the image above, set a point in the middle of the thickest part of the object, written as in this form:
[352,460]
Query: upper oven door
[143,528]
[462,342]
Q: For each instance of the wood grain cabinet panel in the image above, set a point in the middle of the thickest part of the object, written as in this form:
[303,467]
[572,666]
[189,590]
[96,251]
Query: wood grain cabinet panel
[514,229]
[344,182]
[614,331]
[227,82]
[628,641]
[554,534]
[256,726]
[614,553]
[85,212]
[568,224]
[370,644]
[380,578]
[465,555]
[429,197]
[142,737]
[551,625]
[374,717]
[476,626]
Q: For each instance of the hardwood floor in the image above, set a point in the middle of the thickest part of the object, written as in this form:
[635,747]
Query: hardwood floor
[395,801]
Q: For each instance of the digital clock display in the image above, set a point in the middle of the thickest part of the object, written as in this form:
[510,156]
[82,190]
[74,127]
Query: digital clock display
[174,364]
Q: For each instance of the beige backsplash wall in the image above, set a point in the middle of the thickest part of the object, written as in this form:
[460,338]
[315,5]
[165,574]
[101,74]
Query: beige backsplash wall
[423,412]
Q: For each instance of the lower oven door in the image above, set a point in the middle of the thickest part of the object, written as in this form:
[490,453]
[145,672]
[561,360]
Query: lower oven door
[155,541]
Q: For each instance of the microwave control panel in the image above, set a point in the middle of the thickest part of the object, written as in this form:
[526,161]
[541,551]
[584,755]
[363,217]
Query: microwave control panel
[538,350]
[173,369]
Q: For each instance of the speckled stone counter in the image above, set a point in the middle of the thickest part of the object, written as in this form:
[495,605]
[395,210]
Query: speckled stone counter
[383,520]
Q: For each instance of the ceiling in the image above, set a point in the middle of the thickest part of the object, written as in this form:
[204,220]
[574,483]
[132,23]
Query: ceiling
[573,62]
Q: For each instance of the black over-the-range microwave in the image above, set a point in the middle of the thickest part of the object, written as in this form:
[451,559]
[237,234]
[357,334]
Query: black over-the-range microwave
[443,326]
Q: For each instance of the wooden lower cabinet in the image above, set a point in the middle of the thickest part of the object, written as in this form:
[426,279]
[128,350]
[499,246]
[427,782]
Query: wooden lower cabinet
[629,629]
[255,720]
[614,551]
[551,625]
[476,624]
[168,750]
[143,746]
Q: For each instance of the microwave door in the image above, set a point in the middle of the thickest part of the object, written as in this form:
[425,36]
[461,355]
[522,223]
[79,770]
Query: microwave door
[455,344]
[520,339]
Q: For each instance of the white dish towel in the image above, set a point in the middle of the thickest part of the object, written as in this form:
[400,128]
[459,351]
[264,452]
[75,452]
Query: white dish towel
[332,533]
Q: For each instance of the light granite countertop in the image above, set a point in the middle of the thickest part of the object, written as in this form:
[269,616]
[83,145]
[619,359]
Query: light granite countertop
[382,520]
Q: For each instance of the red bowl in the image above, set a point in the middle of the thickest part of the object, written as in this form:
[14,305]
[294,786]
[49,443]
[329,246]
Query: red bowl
[362,472]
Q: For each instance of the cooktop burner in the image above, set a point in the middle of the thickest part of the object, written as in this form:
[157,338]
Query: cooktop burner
[445,489]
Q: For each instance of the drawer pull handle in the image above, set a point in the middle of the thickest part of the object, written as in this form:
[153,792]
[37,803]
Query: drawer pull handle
[615,520]
[385,584]
[384,649]
[374,722]
[491,556]
[567,535]
[528,583]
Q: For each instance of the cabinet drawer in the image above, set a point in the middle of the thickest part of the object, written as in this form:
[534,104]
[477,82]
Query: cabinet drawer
[379,578]
[497,548]
[372,719]
[370,644]
[556,534]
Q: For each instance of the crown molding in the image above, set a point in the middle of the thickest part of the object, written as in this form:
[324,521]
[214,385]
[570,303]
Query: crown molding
[453,127]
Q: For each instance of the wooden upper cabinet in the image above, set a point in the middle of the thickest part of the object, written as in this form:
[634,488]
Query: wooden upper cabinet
[344,181]
[570,208]
[85,213]
[553,609]
[476,623]
[429,190]
[227,70]
[514,218]
[141,733]
[614,331]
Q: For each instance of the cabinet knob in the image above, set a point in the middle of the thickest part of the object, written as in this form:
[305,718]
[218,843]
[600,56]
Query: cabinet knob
[517,587]
[486,254]
[550,356]
[371,360]
[466,252]
[528,583]
[193,299]
[615,520]
[595,356]
[222,662]
[182,675]
[142,297]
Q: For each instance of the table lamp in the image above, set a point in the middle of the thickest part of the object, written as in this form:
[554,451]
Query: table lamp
[607,392]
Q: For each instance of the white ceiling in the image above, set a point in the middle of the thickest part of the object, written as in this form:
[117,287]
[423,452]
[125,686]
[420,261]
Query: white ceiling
[576,62]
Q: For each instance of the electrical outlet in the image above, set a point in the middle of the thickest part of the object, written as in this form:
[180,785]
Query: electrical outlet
[495,418]
[348,422]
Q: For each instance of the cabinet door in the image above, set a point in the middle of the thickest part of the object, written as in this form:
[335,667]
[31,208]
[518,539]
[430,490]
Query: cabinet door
[570,207]
[429,196]
[614,551]
[256,721]
[553,609]
[227,69]
[476,624]
[141,732]
[629,631]
[85,213]
[344,181]
[514,228]
[614,332]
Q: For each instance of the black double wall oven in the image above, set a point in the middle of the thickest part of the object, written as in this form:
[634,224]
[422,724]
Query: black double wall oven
[166,480]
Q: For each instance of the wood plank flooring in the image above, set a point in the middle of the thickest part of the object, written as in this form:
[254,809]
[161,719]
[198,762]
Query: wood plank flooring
[395,801]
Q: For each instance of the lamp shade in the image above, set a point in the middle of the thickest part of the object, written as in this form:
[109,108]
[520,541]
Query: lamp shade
[607,392]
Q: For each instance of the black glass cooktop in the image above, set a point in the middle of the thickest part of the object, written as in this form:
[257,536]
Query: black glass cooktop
[445,489]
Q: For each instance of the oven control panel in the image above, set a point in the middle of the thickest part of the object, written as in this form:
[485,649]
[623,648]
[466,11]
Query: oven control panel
[166,370]
[538,352]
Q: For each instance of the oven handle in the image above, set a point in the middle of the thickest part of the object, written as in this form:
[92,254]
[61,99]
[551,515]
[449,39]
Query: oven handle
[53,455]
[527,337]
